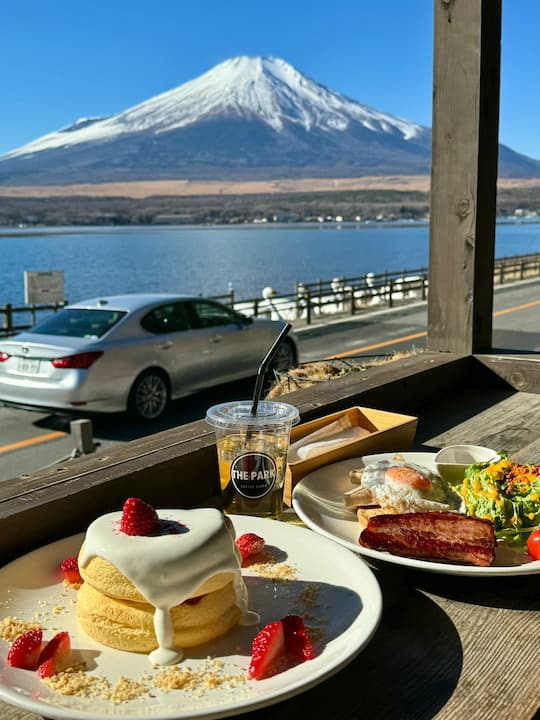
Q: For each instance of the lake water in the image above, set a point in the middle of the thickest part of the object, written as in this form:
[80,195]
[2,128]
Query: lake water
[210,260]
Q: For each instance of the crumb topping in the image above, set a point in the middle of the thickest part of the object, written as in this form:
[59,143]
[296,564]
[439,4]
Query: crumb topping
[211,676]
[76,681]
[268,566]
[12,627]
[71,585]
[126,689]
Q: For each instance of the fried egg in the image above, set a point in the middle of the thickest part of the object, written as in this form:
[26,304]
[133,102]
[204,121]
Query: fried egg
[400,487]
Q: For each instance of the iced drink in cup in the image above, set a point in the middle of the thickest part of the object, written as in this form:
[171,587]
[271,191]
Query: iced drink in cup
[252,454]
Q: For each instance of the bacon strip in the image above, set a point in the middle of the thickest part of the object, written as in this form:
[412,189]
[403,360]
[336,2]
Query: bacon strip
[434,535]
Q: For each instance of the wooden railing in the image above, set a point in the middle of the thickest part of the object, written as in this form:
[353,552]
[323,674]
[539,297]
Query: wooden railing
[309,301]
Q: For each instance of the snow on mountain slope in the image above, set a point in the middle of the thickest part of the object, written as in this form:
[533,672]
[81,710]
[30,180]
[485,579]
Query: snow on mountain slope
[268,89]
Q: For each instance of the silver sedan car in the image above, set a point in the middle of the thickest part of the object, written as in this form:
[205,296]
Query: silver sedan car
[135,353]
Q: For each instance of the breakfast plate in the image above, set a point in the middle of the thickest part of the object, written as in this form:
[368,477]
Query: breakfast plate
[318,501]
[301,572]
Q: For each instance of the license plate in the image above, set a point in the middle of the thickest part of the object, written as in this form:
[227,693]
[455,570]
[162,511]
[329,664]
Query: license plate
[29,366]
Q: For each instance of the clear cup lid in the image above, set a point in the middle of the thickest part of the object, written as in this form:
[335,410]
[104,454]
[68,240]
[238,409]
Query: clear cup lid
[237,414]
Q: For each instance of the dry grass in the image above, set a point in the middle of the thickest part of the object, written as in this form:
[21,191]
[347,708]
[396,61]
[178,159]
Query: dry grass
[183,188]
[312,373]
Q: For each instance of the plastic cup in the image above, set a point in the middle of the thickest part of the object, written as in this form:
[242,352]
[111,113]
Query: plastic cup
[252,454]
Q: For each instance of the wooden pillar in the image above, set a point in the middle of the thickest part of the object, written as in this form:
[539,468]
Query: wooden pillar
[466,86]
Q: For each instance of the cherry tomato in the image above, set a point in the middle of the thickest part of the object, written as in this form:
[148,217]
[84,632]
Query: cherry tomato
[533,544]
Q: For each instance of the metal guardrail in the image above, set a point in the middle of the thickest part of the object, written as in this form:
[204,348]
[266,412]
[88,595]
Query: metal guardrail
[339,296]
[349,295]
[27,316]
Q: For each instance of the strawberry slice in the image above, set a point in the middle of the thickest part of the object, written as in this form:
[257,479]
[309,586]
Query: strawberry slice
[70,568]
[138,518]
[297,643]
[25,650]
[55,656]
[249,545]
[267,651]
[279,646]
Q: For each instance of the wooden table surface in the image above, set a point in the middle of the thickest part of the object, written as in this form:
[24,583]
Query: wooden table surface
[447,647]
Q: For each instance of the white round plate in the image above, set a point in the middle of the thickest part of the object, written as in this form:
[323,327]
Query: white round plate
[318,501]
[345,591]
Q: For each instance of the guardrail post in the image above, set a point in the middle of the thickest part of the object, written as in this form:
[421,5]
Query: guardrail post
[390,293]
[352,302]
[82,434]
[7,321]
[308,308]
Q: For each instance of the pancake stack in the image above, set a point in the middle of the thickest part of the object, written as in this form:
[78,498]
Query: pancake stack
[176,587]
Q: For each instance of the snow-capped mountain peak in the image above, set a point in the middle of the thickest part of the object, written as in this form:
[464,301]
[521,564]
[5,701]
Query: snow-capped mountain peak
[267,89]
[276,92]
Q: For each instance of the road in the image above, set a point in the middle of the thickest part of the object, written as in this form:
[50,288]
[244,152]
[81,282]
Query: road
[31,440]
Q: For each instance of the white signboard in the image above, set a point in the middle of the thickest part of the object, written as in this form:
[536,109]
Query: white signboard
[43,287]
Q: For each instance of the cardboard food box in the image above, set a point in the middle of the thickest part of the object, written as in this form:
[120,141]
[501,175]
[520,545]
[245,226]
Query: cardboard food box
[385,432]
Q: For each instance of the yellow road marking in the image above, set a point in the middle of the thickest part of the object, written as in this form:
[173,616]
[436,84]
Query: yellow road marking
[31,441]
[405,338]
[517,307]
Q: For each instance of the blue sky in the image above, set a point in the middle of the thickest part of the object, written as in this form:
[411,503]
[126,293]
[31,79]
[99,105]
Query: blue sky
[63,60]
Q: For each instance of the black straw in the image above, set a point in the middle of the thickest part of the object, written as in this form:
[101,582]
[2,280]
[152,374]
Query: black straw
[263,367]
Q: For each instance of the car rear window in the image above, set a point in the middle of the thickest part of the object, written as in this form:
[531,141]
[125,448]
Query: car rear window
[79,322]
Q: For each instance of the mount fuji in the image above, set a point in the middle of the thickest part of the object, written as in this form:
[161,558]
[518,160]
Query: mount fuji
[248,118]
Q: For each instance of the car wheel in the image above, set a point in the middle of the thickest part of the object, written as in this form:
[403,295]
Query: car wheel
[149,395]
[285,357]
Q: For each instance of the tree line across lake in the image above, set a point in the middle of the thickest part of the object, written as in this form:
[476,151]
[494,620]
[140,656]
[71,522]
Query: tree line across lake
[349,206]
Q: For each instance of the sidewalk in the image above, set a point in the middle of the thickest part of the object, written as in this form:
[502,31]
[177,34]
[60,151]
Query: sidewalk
[300,325]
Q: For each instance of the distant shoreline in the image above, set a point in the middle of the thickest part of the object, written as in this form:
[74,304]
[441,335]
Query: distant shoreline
[44,230]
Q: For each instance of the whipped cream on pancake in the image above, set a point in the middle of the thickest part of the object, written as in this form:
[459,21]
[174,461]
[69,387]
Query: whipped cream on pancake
[168,567]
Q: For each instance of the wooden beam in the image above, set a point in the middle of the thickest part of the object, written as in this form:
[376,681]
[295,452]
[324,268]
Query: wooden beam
[466,80]
[522,372]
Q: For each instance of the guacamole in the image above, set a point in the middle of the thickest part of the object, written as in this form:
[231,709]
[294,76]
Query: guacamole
[506,493]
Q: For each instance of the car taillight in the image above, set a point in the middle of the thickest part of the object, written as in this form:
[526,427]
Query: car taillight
[4,356]
[81,361]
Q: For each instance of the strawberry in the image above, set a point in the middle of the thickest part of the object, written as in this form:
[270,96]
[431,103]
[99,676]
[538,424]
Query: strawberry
[297,643]
[25,651]
[138,518]
[279,646]
[267,651]
[55,656]
[249,544]
[70,568]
